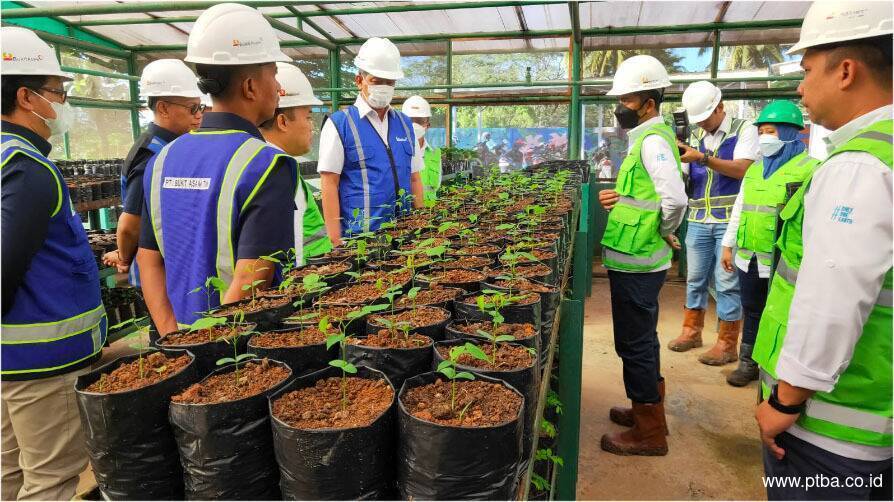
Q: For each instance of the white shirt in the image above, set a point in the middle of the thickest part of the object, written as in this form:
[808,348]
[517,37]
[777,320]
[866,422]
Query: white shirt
[658,159]
[298,216]
[747,146]
[732,229]
[332,151]
[847,236]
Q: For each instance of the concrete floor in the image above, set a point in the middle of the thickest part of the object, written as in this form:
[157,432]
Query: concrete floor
[714,450]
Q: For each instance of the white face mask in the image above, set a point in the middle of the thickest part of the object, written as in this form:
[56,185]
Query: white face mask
[64,117]
[380,96]
[769,144]
[419,131]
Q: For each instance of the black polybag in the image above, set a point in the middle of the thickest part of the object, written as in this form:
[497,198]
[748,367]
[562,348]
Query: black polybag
[511,314]
[439,462]
[264,319]
[435,331]
[303,360]
[549,302]
[335,464]
[397,364]
[130,443]
[467,286]
[207,354]
[453,332]
[227,448]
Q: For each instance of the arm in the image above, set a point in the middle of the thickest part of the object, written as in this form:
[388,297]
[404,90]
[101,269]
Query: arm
[732,228]
[155,293]
[417,189]
[331,206]
[247,272]
[659,161]
[128,231]
[29,198]
[732,168]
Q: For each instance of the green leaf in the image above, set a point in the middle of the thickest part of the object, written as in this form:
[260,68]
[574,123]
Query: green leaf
[198,289]
[161,369]
[505,226]
[456,352]
[349,368]
[448,372]
[445,364]
[476,352]
[465,375]
[242,357]
[225,360]
[334,339]
[207,323]
[492,292]
[413,292]
[369,309]
[497,317]
[485,334]
[505,338]
[216,283]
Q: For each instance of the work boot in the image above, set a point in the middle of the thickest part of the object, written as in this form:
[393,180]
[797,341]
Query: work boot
[646,437]
[693,322]
[747,370]
[724,351]
[624,416]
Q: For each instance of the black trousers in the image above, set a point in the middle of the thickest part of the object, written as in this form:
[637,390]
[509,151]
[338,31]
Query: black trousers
[823,475]
[635,320]
[753,290]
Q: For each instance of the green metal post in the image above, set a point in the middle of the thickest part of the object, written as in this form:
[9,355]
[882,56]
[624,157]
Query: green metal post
[134,98]
[575,129]
[571,330]
[335,76]
[136,7]
[715,54]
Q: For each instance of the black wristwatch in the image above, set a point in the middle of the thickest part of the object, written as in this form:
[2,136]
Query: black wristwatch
[782,408]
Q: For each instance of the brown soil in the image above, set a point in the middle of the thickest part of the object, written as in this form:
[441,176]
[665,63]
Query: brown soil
[356,294]
[509,357]
[477,250]
[319,407]
[254,378]
[523,299]
[423,316]
[454,276]
[327,270]
[412,224]
[389,340]
[295,338]
[431,297]
[260,304]
[179,338]
[394,277]
[335,313]
[156,367]
[519,331]
[491,404]
[522,284]
[340,253]
[472,262]
[401,261]
[529,271]
[438,241]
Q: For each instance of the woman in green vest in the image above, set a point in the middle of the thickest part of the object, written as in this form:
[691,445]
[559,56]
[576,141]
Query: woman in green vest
[419,111]
[752,227]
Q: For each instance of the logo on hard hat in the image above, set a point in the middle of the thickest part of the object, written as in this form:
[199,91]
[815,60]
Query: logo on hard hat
[246,43]
[8,56]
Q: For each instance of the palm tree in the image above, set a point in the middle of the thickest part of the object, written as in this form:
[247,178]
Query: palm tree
[605,62]
[749,57]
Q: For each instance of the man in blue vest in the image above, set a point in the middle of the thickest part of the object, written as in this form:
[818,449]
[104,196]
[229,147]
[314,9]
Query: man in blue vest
[368,172]
[724,150]
[53,322]
[218,199]
[172,94]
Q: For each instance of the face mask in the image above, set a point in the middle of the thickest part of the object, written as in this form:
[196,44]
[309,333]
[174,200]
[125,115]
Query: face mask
[419,131]
[64,116]
[770,144]
[627,118]
[380,96]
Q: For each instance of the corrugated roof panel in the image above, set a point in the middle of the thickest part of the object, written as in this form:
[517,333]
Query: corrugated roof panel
[762,11]
[142,34]
[547,17]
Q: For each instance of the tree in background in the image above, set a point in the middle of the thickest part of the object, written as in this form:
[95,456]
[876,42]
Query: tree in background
[604,63]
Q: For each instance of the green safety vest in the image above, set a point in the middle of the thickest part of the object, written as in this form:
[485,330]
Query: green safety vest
[431,173]
[760,199]
[632,242]
[316,240]
[858,410]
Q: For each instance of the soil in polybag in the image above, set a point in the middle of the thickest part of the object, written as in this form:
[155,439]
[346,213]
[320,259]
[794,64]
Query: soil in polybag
[326,453]
[337,315]
[443,457]
[265,311]
[462,278]
[523,311]
[303,350]
[549,302]
[524,333]
[397,356]
[129,440]
[426,321]
[207,345]
[436,297]
[223,433]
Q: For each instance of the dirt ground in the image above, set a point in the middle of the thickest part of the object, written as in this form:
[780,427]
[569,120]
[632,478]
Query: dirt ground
[714,451]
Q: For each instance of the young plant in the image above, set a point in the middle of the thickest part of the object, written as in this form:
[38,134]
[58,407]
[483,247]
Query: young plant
[140,343]
[211,285]
[339,338]
[496,321]
[238,319]
[253,269]
[448,367]
[412,294]
[207,324]
[310,284]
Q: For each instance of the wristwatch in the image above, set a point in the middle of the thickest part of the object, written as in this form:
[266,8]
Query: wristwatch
[782,408]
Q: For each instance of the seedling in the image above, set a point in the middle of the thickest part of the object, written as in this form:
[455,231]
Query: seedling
[412,294]
[310,284]
[140,344]
[207,324]
[552,399]
[253,269]
[448,366]
[211,285]
[539,482]
[547,454]
[339,338]
[238,319]
[547,428]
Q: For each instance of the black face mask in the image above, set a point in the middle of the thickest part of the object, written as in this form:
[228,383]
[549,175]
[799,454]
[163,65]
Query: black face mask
[627,118]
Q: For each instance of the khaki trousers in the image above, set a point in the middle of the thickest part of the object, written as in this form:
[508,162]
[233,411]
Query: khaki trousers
[43,450]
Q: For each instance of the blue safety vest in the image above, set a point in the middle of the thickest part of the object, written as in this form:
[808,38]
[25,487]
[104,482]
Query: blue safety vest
[196,187]
[711,191]
[154,145]
[57,319]
[373,172]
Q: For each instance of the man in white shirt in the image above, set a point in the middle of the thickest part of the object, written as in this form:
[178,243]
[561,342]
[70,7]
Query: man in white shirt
[724,151]
[367,168]
[824,342]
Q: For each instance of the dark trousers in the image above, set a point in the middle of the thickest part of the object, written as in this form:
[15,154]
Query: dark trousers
[635,320]
[823,475]
[754,296]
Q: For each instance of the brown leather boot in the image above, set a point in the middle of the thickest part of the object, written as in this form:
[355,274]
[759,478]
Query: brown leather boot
[693,322]
[724,351]
[646,437]
[624,416]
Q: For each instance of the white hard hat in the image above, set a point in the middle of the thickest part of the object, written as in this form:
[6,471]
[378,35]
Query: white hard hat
[295,89]
[700,99]
[168,77]
[639,73]
[833,22]
[416,106]
[26,54]
[380,58]
[233,34]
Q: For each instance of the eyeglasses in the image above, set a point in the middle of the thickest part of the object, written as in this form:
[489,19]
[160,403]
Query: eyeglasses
[193,109]
[63,93]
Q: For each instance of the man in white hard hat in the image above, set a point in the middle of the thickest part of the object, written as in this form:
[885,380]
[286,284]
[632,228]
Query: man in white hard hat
[645,208]
[367,169]
[173,95]
[215,197]
[419,110]
[824,342]
[291,130]
[53,321]
[725,148]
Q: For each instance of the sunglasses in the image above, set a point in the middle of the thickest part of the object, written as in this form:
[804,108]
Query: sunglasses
[193,109]
[63,93]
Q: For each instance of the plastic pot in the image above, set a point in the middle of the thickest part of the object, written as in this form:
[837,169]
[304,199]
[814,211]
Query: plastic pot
[470,286]
[549,302]
[398,364]
[302,360]
[264,319]
[208,353]
[435,330]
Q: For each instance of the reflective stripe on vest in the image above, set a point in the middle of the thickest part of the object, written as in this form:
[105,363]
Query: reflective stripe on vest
[758,209]
[627,259]
[51,331]
[363,174]
[24,144]
[155,197]
[719,201]
[838,414]
[648,205]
